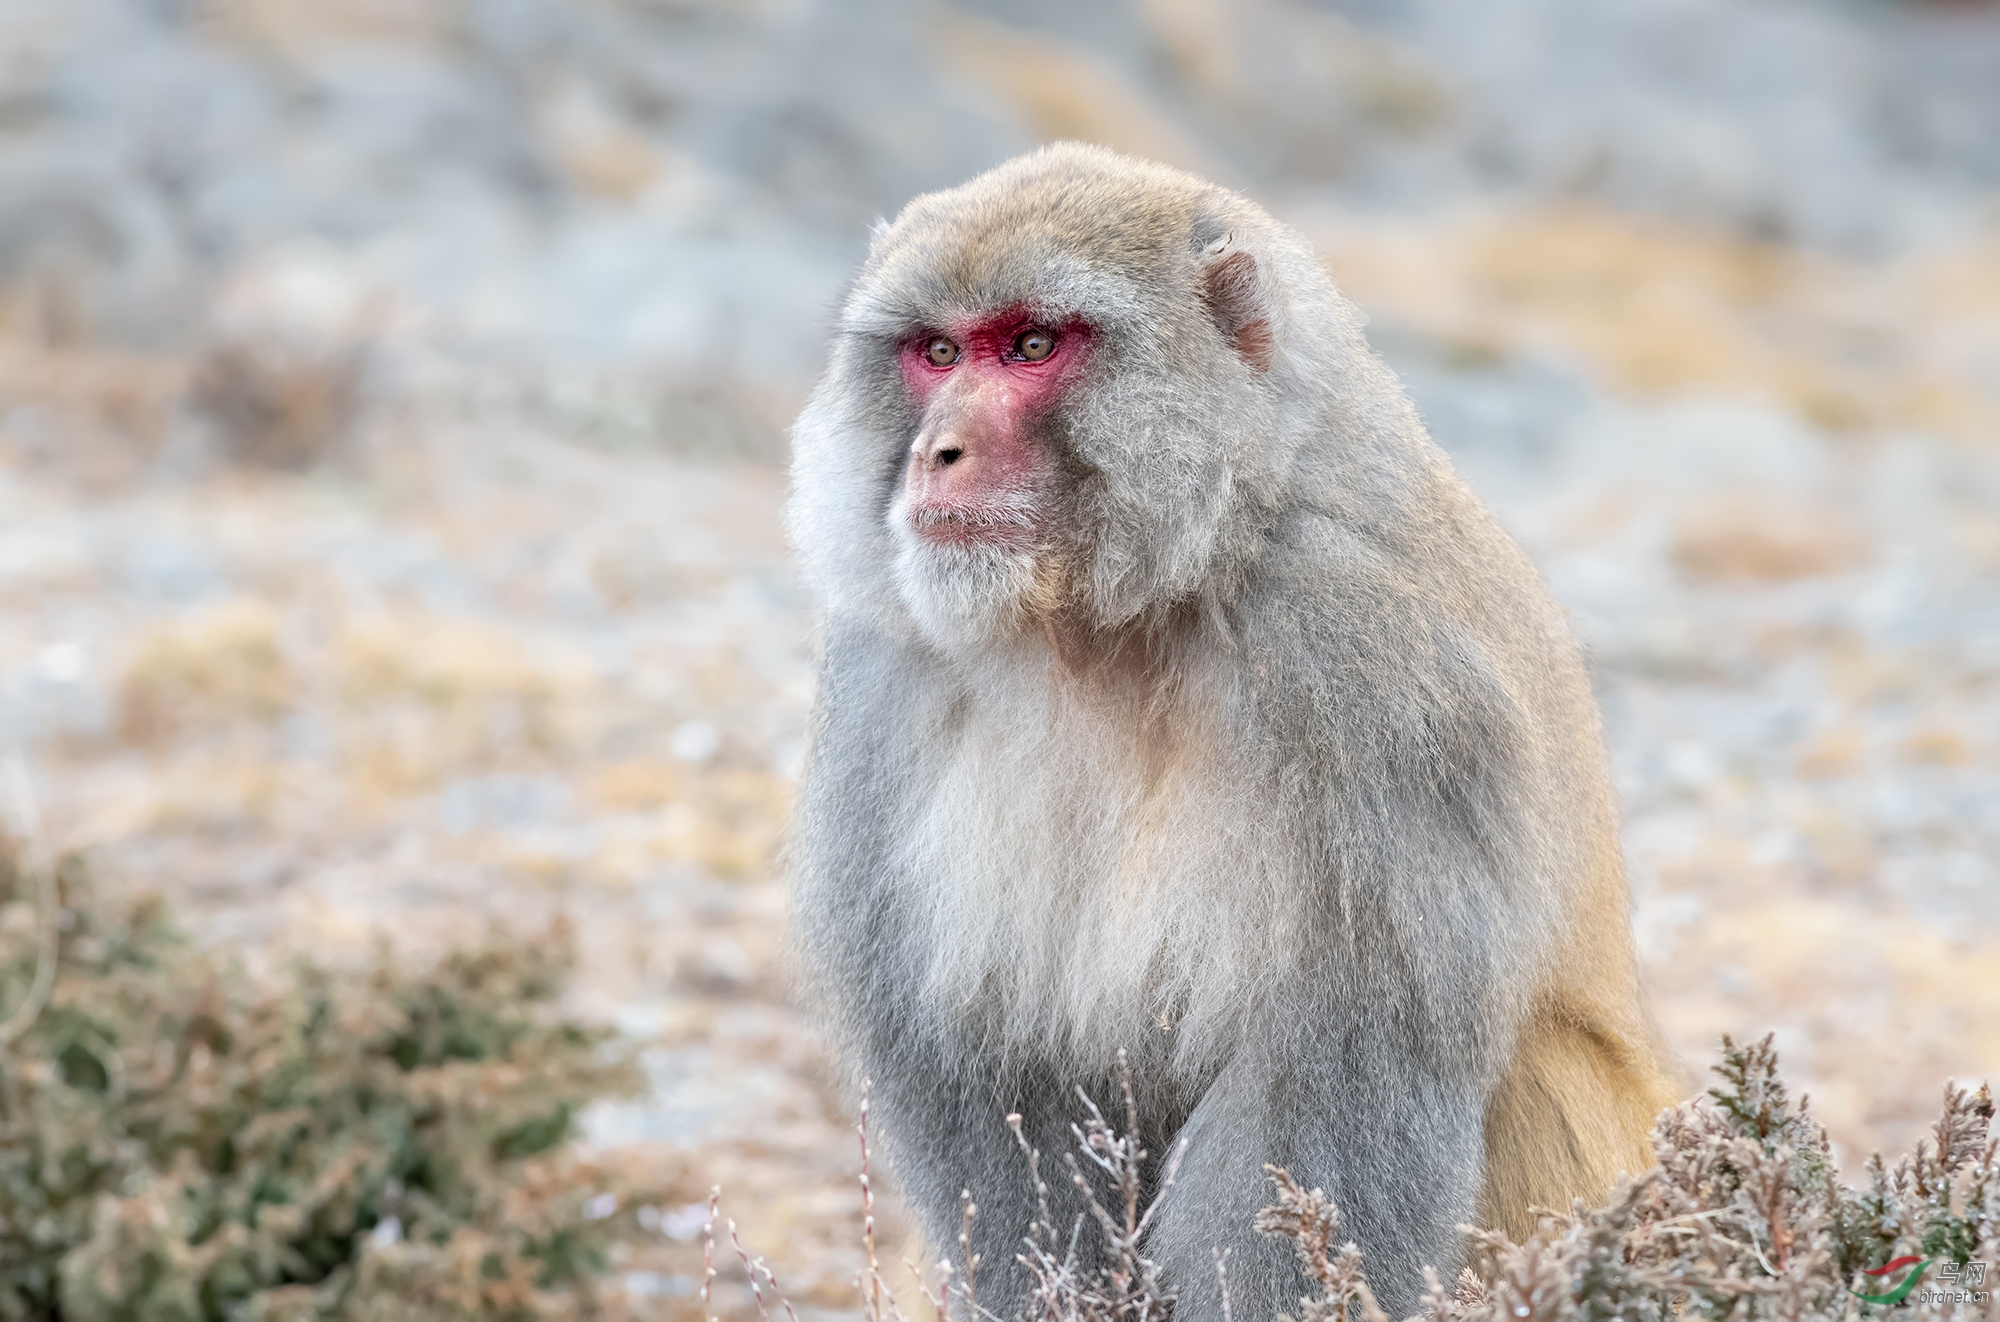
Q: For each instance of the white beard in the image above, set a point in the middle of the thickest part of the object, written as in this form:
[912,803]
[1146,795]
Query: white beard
[960,594]
[963,593]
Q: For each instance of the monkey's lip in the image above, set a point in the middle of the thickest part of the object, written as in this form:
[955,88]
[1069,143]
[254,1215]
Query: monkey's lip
[1006,525]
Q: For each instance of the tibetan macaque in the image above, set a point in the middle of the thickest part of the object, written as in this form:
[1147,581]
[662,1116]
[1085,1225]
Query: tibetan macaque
[1177,696]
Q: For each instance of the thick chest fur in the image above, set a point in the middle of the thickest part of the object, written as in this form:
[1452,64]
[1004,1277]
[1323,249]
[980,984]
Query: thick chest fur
[1089,881]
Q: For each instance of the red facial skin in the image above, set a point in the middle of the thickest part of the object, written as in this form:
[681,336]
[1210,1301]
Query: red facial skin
[978,467]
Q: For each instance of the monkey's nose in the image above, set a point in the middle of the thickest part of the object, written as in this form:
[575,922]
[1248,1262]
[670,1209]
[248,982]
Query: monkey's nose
[938,452]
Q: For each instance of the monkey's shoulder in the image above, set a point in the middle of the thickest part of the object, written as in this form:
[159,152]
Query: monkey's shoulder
[1339,584]
[1402,627]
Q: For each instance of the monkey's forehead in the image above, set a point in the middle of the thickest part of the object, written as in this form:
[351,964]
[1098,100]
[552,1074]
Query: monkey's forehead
[1067,230]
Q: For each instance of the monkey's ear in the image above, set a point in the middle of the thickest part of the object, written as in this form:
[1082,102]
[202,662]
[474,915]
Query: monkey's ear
[1235,299]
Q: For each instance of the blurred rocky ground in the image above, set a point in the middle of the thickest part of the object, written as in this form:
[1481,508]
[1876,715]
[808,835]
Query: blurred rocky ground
[392,398]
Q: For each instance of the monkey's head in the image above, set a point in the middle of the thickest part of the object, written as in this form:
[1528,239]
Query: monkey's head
[1069,389]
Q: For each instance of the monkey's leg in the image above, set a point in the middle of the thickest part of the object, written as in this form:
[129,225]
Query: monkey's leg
[1397,1146]
[1578,1100]
[1572,1113]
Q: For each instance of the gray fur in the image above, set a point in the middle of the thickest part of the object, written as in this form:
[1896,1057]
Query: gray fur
[1311,871]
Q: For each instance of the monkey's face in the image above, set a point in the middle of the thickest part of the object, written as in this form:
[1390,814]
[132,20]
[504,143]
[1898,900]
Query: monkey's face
[979,516]
[1059,394]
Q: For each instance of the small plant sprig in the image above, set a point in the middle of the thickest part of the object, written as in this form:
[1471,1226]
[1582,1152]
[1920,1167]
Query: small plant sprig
[1124,1284]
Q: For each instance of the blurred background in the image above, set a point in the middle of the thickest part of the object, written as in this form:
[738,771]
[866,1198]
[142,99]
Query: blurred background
[392,408]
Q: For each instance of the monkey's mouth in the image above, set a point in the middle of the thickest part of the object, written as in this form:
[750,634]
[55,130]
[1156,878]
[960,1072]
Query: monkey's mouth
[1007,521]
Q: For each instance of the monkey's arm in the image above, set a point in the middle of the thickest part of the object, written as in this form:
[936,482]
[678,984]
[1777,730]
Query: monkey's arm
[1422,929]
[1340,1107]
[1366,1074]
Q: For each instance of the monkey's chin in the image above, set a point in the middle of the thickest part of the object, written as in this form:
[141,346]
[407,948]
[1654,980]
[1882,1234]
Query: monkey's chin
[964,593]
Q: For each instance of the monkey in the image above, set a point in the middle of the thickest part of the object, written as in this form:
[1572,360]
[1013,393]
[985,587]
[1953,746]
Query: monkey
[1176,697]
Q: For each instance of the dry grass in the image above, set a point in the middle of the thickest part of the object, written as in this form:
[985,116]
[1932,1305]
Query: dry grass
[1657,309]
[275,406]
[1767,541]
[223,666]
[1744,1217]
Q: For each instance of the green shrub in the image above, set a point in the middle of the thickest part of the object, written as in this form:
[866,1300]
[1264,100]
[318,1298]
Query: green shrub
[180,1143]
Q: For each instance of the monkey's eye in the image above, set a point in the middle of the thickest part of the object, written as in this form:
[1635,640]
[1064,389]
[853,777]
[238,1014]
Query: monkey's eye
[1033,346]
[941,351]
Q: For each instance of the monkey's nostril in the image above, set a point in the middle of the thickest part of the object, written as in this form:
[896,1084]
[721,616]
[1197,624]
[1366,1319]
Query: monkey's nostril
[948,456]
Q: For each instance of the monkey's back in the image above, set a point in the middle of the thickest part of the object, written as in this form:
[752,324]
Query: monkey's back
[1431,653]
